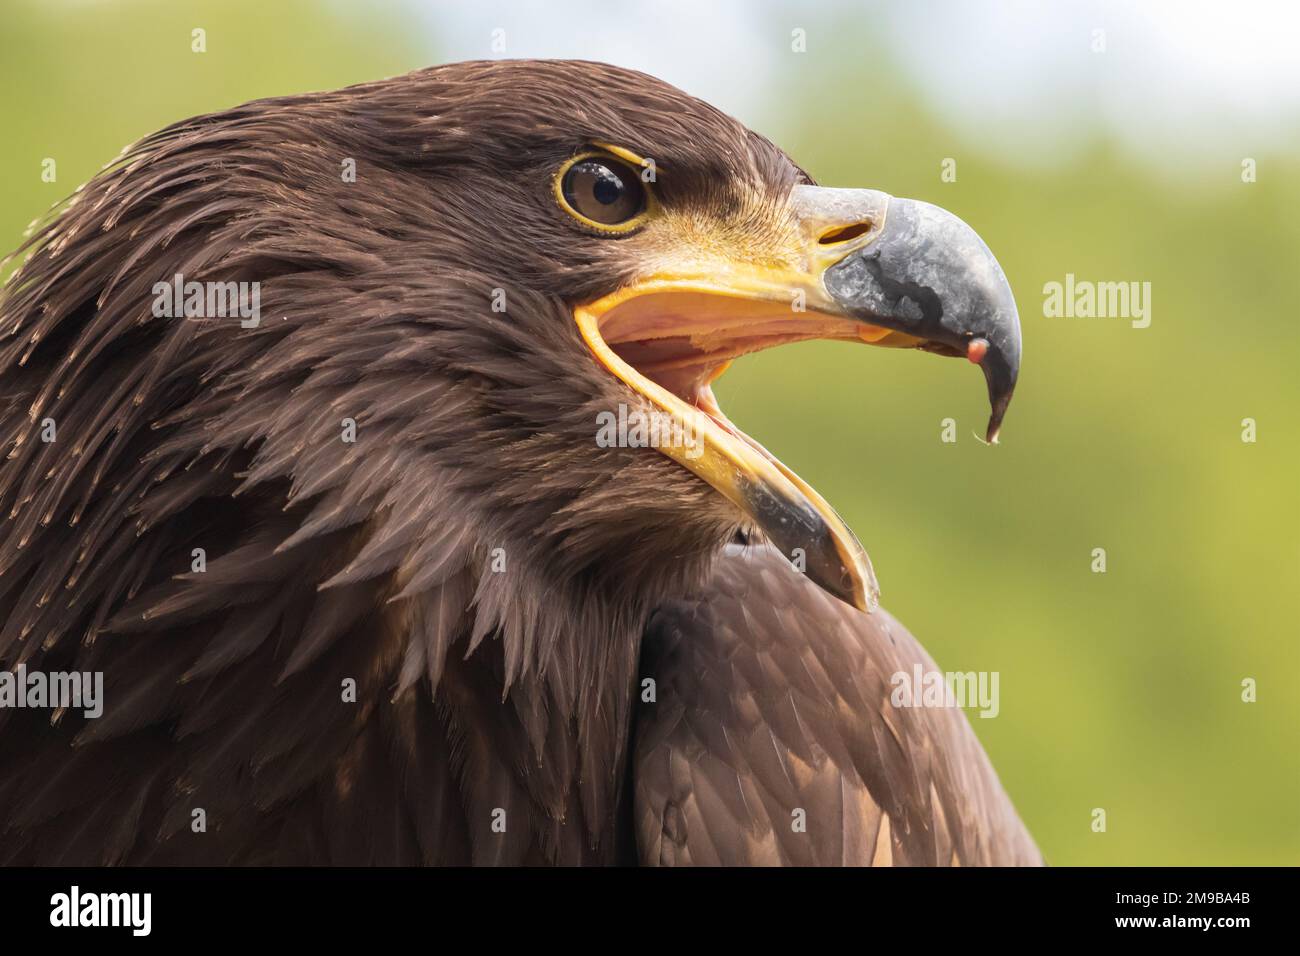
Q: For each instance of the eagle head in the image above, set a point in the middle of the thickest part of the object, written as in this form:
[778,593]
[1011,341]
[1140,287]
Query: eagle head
[492,300]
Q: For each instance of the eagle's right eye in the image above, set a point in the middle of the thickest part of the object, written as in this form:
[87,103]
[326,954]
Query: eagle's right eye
[603,192]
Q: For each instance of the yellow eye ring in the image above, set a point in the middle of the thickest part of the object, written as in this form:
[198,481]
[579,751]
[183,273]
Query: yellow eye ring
[605,191]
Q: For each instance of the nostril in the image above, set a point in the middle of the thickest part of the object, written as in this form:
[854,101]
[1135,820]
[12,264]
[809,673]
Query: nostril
[845,233]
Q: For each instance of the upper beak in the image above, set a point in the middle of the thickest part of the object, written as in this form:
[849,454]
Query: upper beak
[867,267]
[922,271]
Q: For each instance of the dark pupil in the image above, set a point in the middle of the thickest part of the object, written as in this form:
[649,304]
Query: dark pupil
[608,187]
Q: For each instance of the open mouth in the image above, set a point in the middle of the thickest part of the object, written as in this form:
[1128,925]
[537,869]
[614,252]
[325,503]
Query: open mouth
[682,340]
[669,340]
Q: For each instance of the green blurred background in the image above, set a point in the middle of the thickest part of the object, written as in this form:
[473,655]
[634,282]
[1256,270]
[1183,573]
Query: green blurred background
[1120,690]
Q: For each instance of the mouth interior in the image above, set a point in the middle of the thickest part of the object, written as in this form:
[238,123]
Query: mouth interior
[682,341]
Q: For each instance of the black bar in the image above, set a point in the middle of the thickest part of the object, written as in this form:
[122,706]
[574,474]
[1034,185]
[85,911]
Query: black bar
[436,908]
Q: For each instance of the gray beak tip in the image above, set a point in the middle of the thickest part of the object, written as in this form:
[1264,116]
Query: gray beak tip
[995,418]
[1000,375]
[929,275]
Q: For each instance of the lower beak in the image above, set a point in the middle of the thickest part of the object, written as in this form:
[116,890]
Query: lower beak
[862,266]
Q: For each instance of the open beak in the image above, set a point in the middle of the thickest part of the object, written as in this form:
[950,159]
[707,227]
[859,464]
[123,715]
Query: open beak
[858,265]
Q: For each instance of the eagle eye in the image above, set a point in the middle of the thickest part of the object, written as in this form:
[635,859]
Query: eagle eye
[603,192]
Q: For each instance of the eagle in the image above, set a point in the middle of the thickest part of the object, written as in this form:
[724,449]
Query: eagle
[385,570]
